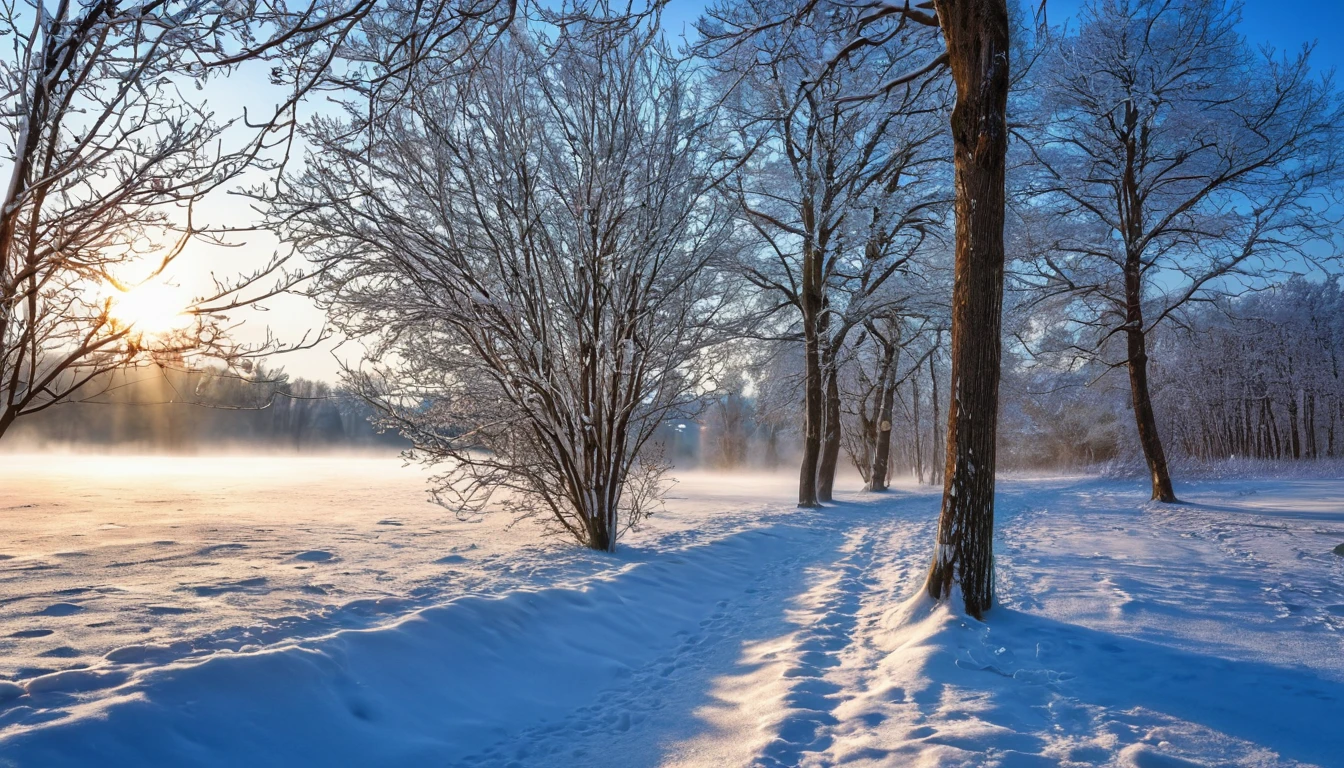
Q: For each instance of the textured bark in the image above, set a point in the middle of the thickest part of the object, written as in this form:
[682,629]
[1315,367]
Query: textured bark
[1145,419]
[813,392]
[830,442]
[1131,205]
[976,32]
[877,476]
[919,442]
[936,427]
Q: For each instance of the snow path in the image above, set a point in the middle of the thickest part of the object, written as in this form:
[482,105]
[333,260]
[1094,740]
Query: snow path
[736,630]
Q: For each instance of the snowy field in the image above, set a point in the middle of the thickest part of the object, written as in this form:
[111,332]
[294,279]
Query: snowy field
[279,611]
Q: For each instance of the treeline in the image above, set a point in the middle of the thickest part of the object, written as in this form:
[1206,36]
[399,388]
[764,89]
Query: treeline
[1051,419]
[1260,376]
[172,410]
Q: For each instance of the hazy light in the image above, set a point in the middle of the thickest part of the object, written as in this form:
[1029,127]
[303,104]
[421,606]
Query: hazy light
[153,309]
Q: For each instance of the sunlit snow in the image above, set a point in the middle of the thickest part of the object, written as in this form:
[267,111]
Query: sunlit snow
[271,611]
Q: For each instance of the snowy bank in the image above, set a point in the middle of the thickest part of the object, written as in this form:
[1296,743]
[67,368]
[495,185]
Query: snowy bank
[736,630]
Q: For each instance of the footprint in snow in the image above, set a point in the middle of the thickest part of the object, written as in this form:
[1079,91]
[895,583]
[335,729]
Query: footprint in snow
[219,548]
[210,590]
[144,654]
[25,633]
[63,652]
[314,556]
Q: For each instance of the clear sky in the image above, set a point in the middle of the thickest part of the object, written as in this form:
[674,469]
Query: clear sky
[1284,24]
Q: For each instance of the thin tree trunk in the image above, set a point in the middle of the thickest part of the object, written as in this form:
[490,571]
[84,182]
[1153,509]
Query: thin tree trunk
[1337,409]
[813,395]
[1247,435]
[1295,439]
[1309,422]
[976,32]
[830,442]
[1130,200]
[919,443]
[772,446]
[1272,429]
[877,477]
[937,427]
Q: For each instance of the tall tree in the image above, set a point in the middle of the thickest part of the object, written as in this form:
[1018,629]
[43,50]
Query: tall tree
[977,36]
[835,166]
[1174,164]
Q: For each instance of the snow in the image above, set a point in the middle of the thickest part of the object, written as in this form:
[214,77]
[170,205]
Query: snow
[281,611]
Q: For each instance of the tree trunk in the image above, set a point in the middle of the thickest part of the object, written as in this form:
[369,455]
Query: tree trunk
[1131,204]
[1272,429]
[1144,417]
[919,442]
[813,395]
[772,446]
[1309,423]
[976,32]
[1295,440]
[877,478]
[830,443]
[937,428]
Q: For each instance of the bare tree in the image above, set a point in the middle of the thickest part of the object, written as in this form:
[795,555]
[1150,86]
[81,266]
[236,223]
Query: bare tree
[870,399]
[1174,164]
[727,425]
[1269,382]
[112,149]
[522,240]
[835,168]
[977,52]
[977,37]
[877,367]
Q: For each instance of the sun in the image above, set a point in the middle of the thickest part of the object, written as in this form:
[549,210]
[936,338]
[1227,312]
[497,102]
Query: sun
[153,309]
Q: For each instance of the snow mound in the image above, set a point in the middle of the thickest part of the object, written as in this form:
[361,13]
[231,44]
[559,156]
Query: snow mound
[441,684]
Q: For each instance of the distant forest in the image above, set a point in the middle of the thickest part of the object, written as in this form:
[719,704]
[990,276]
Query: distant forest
[165,409]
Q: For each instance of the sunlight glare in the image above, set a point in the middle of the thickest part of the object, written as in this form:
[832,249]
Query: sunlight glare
[155,309]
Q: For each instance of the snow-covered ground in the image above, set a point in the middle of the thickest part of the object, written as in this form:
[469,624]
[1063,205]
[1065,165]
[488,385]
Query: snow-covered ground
[279,611]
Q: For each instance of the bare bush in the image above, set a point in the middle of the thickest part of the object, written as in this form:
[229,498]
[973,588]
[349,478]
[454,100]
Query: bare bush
[522,240]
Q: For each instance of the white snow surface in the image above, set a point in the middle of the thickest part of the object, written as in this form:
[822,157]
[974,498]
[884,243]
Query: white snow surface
[292,612]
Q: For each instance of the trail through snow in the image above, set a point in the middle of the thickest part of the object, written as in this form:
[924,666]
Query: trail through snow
[734,630]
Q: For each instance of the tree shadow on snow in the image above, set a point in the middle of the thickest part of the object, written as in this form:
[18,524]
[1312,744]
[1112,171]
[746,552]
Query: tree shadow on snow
[1046,676]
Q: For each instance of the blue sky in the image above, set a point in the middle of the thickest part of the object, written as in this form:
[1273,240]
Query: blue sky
[1285,24]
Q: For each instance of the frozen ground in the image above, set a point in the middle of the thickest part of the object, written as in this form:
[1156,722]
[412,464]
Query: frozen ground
[317,612]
